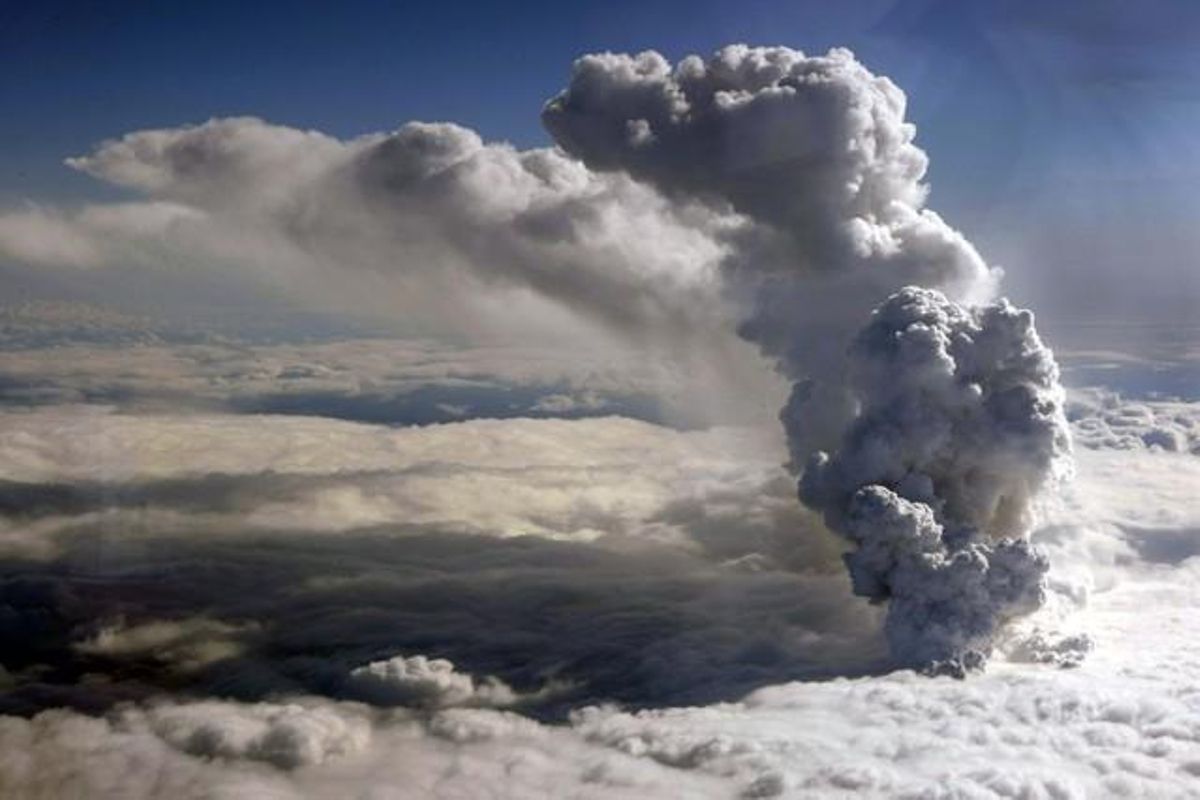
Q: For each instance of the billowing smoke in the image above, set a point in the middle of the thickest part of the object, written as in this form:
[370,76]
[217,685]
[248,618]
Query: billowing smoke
[960,424]
[816,152]
[922,439]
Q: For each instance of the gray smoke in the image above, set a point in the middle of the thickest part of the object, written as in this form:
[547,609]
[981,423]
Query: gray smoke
[960,424]
[815,152]
[924,438]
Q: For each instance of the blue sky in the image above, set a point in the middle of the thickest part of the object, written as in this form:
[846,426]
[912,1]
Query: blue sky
[1045,122]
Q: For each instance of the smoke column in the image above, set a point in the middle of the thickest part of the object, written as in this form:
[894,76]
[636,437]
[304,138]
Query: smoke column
[923,437]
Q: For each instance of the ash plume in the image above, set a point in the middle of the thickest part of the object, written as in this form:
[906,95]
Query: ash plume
[960,424]
[923,438]
[816,154]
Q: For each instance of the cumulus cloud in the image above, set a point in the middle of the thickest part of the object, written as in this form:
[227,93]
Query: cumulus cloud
[641,629]
[427,682]
[1102,420]
[284,735]
[618,557]
[762,186]
[802,143]
[310,748]
[558,623]
[1044,734]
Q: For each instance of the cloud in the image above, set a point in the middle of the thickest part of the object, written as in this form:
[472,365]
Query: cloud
[291,606]
[559,623]
[283,735]
[761,190]
[118,613]
[279,553]
[795,233]
[816,153]
[1042,734]
[1103,421]
[579,479]
[428,210]
[310,748]
[1034,733]
[188,644]
[801,143]
[56,354]
[430,683]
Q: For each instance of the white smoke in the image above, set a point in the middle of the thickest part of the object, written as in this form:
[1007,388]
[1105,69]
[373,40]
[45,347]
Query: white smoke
[944,420]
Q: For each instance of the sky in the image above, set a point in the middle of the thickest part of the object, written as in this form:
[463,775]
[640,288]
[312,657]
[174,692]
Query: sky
[1051,124]
[614,400]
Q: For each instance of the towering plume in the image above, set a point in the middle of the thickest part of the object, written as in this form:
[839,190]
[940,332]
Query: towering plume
[816,153]
[923,438]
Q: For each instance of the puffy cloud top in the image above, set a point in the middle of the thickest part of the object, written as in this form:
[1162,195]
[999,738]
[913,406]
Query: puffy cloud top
[428,682]
[801,142]
[959,425]
[286,735]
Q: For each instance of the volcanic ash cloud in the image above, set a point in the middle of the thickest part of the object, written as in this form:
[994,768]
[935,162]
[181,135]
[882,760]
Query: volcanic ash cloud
[924,438]
[960,424]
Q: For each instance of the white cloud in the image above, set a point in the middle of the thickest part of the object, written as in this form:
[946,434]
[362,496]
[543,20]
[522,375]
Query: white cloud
[1123,725]
[49,360]
[1103,420]
[285,735]
[428,682]
[579,480]
[426,219]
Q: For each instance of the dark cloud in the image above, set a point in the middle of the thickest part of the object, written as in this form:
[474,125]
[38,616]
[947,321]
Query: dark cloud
[646,628]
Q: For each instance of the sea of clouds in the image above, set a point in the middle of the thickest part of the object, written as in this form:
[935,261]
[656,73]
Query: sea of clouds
[546,540]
